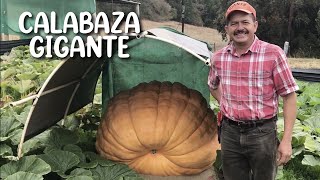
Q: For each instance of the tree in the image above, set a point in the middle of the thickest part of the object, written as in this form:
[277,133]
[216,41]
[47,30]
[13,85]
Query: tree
[157,10]
[318,23]
[193,11]
[296,21]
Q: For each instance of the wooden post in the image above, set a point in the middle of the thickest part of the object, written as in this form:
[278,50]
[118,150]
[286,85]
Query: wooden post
[182,15]
[286,47]
[138,9]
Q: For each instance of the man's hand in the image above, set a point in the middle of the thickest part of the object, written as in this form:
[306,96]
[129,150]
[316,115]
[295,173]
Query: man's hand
[284,152]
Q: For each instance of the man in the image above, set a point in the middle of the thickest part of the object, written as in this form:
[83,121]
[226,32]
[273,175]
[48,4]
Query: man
[246,78]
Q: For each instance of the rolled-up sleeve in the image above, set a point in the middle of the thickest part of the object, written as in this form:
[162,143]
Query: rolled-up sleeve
[283,78]
[213,78]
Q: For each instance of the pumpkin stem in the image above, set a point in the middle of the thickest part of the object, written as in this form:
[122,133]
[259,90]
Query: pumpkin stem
[153,151]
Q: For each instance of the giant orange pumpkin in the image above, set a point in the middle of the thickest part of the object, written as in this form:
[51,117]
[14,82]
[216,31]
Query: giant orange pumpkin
[159,129]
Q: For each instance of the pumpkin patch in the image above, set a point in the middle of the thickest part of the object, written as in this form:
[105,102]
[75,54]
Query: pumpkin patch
[159,129]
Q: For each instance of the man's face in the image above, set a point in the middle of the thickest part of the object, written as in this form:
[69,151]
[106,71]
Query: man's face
[241,27]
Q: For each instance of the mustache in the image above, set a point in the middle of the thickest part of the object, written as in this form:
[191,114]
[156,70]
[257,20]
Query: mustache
[241,31]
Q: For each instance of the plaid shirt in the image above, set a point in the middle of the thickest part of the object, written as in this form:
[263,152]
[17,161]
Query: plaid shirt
[251,83]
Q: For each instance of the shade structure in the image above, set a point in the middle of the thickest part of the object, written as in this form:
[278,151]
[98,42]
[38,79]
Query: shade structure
[68,88]
[158,54]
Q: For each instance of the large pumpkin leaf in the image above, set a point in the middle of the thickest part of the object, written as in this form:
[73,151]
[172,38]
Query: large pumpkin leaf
[59,137]
[80,178]
[7,124]
[5,150]
[15,136]
[30,164]
[298,139]
[116,172]
[91,160]
[302,100]
[76,150]
[279,173]
[297,150]
[77,172]
[60,161]
[312,144]
[314,101]
[81,172]
[24,175]
[71,122]
[23,86]
[35,142]
[311,160]
[22,117]
[7,73]
[313,123]
[27,76]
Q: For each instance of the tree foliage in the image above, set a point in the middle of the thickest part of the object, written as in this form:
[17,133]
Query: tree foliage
[157,10]
[296,21]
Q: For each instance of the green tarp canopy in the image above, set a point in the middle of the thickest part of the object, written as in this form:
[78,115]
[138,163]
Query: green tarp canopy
[164,55]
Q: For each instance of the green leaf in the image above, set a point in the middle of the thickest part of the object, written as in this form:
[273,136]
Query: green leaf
[81,172]
[302,100]
[5,150]
[60,161]
[71,122]
[76,150]
[97,99]
[113,172]
[311,160]
[31,144]
[7,73]
[314,101]
[313,123]
[59,137]
[77,172]
[22,117]
[23,86]
[105,162]
[80,178]
[302,116]
[297,150]
[7,124]
[27,76]
[280,124]
[91,160]
[31,164]
[298,139]
[15,136]
[311,144]
[279,173]
[35,143]
[24,176]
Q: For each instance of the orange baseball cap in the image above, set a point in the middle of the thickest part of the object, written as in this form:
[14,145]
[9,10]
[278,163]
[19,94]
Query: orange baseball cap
[241,6]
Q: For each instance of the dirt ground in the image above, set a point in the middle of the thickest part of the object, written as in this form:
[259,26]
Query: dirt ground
[209,174]
[208,35]
[304,63]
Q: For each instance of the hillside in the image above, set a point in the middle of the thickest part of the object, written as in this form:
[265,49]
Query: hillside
[208,35]
[212,37]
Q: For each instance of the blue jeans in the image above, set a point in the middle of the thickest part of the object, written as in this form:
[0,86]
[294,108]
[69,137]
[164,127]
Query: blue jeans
[249,152]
